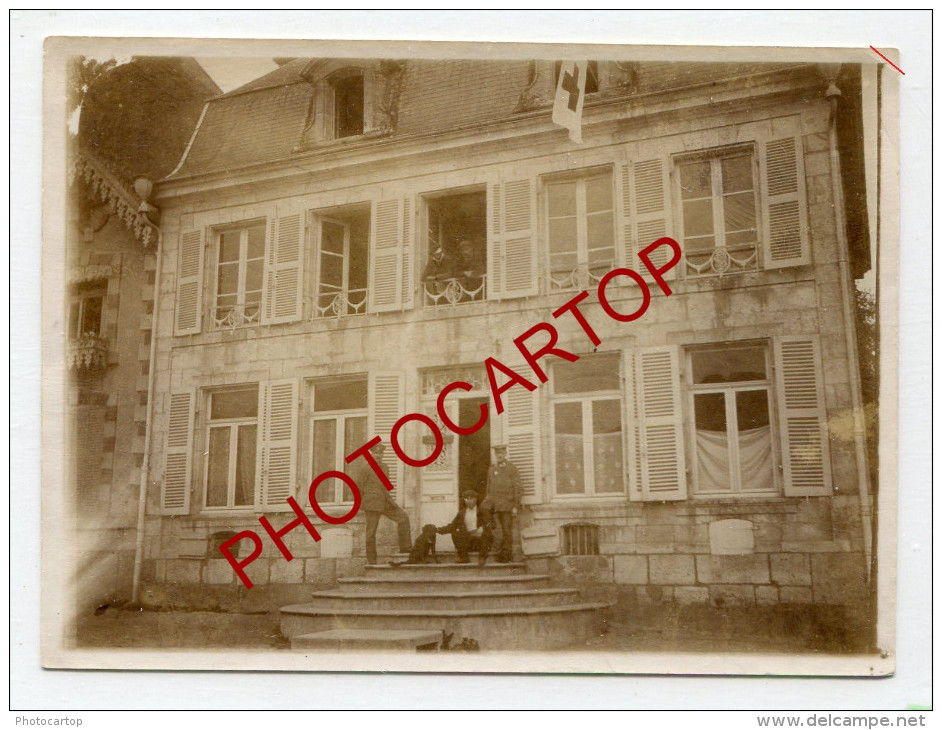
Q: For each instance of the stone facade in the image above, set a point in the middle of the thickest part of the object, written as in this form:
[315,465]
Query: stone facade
[792,539]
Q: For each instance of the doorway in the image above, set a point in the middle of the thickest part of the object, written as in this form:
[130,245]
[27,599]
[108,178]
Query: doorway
[474,450]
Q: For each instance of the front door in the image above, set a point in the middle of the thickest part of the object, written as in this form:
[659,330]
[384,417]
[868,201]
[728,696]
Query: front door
[463,464]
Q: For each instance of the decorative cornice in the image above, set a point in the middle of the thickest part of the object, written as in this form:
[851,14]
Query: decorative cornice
[92,272]
[121,201]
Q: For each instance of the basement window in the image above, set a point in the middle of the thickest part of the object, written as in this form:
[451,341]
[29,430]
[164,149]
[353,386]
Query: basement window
[580,539]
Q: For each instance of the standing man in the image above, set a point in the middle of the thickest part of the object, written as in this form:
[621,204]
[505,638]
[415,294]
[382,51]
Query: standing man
[504,491]
[378,502]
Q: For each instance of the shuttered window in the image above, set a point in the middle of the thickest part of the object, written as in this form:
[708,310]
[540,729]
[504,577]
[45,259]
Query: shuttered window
[588,429]
[391,275]
[337,411]
[240,267]
[719,212]
[342,268]
[581,229]
[231,448]
[283,269]
[386,406]
[455,269]
[189,294]
[785,226]
[732,436]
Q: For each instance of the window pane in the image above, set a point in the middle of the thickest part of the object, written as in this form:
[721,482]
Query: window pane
[74,329]
[331,269]
[359,252]
[256,246]
[229,244]
[698,217]
[601,228]
[245,466]
[227,279]
[587,375]
[598,193]
[253,275]
[737,173]
[570,475]
[91,316]
[331,237]
[235,403]
[752,409]
[562,199]
[712,442]
[348,106]
[324,446]
[729,366]
[755,441]
[695,180]
[607,446]
[354,436]
[740,212]
[217,486]
[562,234]
[340,395]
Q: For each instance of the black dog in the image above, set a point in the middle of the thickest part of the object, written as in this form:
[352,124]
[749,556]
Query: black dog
[423,549]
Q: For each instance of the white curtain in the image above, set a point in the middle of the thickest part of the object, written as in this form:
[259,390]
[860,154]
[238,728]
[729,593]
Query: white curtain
[755,458]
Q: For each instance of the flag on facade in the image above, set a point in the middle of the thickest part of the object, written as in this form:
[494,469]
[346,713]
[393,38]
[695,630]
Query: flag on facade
[570,95]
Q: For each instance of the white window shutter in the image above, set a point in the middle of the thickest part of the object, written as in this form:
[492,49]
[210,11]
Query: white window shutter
[387,405]
[175,488]
[633,446]
[522,430]
[624,253]
[785,239]
[408,272]
[648,213]
[279,431]
[802,417]
[660,424]
[511,257]
[188,313]
[283,279]
[386,264]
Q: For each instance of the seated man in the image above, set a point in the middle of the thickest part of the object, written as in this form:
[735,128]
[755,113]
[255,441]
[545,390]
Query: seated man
[471,528]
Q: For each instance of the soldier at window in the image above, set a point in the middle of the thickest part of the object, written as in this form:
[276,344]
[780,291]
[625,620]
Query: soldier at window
[439,267]
[471,263]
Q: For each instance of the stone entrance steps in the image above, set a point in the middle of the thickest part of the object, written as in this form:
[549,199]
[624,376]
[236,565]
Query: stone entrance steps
[501,606]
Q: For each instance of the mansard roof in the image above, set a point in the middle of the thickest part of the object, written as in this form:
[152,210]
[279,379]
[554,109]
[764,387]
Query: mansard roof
[265,120]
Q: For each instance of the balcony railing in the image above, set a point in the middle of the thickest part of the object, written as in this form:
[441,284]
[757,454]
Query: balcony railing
[721,261]
[87,354]
[341,303]
[581,276]
[236,315]
[452,291]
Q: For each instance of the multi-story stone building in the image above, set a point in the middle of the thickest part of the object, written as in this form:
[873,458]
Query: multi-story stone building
[342,238]
[134,124]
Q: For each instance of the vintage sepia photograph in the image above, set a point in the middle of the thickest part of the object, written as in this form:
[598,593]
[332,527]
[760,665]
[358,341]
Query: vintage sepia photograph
[468,357]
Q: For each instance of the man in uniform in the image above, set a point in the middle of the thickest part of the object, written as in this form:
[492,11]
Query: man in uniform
[377,502]
[504,491]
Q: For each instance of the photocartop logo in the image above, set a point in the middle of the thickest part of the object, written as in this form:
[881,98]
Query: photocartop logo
[493,366]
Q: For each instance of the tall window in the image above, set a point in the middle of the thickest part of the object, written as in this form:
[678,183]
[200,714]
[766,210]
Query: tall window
[338,427]
[348,106]
[456,236]
[343,238]
[587,427]
[239,270]
[232,445]
[718,194]
[581,225]
[85,315]
[729,397]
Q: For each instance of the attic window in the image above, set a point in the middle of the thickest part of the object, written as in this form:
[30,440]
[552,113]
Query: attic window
[348,106]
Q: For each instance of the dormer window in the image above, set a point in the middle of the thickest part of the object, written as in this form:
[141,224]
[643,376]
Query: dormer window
[348,105]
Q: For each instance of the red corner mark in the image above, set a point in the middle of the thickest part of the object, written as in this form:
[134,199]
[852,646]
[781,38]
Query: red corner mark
[887,60]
